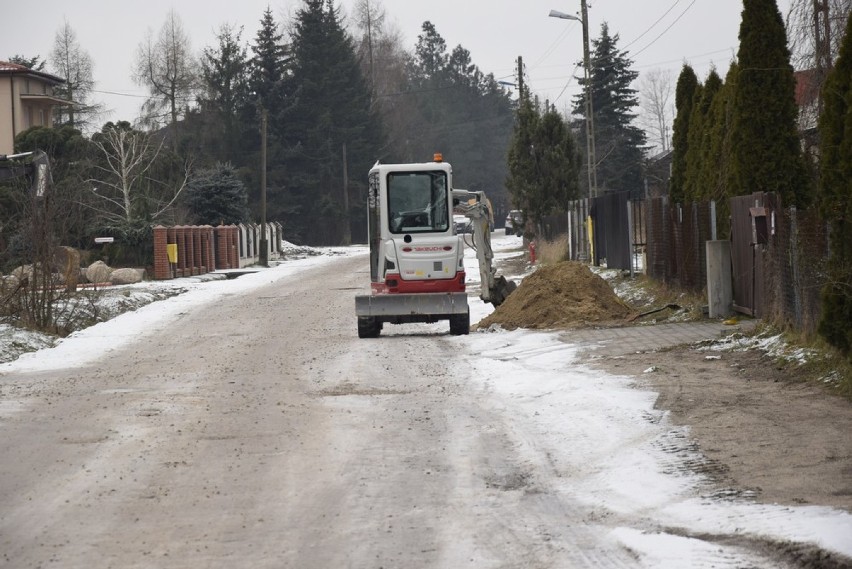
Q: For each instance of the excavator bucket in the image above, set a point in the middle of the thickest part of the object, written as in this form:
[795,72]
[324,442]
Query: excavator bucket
[501,289]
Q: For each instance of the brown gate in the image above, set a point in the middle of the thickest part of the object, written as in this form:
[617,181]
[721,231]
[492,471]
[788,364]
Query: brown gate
[748,246]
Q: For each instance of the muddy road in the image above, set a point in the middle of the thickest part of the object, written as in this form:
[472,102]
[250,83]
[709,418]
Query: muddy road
[259,431]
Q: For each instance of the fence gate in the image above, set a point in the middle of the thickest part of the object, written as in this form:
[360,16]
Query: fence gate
[748,239]
[612,231]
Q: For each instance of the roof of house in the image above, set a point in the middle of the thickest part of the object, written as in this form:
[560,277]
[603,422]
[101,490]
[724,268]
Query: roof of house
[7,68]
[807,87]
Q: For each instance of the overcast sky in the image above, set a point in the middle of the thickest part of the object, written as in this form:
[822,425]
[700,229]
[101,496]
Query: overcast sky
[658,34]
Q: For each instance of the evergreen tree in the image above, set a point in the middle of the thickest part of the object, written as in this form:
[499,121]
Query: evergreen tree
[618,143]
[835,197]
[766,149]
[716,175]
[217,195]
[224,94]
[35,63]
[521,180]
[697,152]
[687,85]
[460,112]
[330,121]
[268,64]
[544,162]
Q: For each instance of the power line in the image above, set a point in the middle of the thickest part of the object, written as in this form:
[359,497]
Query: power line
[666,30]
[666,13]
[120,94]
[570,80]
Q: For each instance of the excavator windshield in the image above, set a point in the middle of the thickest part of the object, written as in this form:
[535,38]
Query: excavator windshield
[418,202]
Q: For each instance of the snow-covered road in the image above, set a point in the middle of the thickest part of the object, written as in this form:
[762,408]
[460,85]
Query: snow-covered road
[280,439]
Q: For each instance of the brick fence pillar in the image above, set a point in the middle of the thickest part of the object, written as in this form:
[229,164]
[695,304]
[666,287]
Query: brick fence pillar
[196,240]
[161,254]
[233,252]
[190,251]
[223,260]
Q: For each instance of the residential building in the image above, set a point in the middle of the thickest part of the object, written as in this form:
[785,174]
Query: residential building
[26,100]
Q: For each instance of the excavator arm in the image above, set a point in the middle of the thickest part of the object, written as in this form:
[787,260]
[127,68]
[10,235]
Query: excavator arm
[476,207]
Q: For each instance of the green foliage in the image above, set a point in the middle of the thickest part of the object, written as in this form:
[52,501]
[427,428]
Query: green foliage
[618,143]
[544,162]
[225,94]
[330,109]
[217,196]
[698,146]
[835,197]
[687,85]
[766,148]
[715,172]
[445,103]
[35,63]
[268,64]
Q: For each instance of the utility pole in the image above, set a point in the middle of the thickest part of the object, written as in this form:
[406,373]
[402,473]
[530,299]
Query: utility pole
[590,111]
[347,229]
[264,242]
[520,77]
[822,44]
[587,71]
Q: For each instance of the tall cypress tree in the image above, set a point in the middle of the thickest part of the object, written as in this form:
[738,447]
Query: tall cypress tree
[619,144]
[716,174]
[767,153]
[835,196]
[687,85]
[697,153]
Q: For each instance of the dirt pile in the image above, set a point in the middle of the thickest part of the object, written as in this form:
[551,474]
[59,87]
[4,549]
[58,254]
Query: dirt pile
[563,295]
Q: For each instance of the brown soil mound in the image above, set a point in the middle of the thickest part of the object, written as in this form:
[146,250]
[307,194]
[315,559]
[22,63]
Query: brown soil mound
[564,295]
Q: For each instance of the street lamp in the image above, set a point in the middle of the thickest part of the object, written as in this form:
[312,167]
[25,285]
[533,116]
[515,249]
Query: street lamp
[590,123]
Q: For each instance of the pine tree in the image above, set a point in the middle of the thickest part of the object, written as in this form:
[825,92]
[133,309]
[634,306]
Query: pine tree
[331,112]
[835,196]
[224,94]
[767,153]
[687,85]
[544,162]
[618,143]
[268,63]
[217,195]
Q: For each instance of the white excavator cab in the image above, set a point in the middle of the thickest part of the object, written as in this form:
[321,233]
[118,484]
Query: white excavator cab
[416,255]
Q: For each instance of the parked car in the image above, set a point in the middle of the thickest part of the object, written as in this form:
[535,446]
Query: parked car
[515,222]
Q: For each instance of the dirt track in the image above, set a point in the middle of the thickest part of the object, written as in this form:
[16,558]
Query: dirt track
[765,432]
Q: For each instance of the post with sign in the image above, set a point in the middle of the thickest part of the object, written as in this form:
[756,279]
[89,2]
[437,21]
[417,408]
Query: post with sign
[172,251]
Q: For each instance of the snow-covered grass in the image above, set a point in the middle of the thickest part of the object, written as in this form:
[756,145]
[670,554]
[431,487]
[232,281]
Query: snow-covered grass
[92,310]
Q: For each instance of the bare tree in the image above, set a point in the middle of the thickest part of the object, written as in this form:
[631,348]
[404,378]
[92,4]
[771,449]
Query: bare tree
[167,67]
[370,18]
[74,64]
[383,58]
[122,185]
[815,30]
[810,23]
[656,101]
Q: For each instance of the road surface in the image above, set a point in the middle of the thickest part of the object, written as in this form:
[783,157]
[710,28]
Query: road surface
[259,431]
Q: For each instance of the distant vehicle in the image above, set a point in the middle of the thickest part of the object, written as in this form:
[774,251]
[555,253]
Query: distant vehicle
[462,224]
[515,222]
